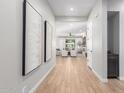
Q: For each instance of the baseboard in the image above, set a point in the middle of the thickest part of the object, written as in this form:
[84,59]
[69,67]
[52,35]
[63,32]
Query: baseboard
[121,78]
[37,85]
[99,77]
[89,66]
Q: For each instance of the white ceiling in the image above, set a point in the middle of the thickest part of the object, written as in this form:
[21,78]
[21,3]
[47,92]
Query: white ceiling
[62,7]
[64,28]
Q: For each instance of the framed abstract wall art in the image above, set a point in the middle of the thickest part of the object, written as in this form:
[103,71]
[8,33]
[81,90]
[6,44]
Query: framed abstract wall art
[33,32]
[48,41]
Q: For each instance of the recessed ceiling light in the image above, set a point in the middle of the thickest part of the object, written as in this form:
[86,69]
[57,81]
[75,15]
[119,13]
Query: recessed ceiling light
[82,34]
[71,24]
[80,30]
[71,9]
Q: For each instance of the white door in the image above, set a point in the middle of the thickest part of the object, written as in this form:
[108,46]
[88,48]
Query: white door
[89,44]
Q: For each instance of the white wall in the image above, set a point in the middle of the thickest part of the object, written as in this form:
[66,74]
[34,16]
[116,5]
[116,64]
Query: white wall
[118,5]
[60,43]
[89,43]
[11,80]
[98,18]
[66,18]
[66,27]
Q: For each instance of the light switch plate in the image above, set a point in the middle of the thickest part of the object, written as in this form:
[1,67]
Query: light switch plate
[24,89]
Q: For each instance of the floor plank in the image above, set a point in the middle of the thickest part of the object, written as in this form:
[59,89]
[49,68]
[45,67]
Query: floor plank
[71,75]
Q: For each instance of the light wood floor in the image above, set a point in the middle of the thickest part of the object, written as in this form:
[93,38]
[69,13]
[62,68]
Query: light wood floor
[71,75]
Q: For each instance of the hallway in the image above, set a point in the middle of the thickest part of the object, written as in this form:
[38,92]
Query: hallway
[71,75]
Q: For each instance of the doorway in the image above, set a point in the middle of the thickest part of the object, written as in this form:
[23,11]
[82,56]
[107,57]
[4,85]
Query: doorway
[113,44]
